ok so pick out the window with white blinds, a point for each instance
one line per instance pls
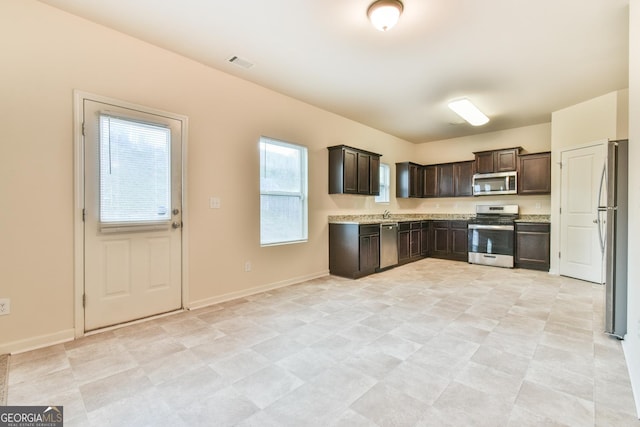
(283, 192)
(383, 196)
(135, 171)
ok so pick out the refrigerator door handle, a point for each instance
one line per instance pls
(603, 183)
(601, 208)
(600, 233)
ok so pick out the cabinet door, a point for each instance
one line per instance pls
(415, 188)
(350, 171)
(439, 239)
(506, 160)
(462, 179)
(445, 180)
(424, 238)
(535, 174)
(484, 162)
(532, 246)
(374, 174)
(369, 253)
(408, 180)
(364, 165)
(414, 251)
(430, 181)
(459, 243)
(404, 245)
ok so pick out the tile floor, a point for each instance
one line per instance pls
(432, 343)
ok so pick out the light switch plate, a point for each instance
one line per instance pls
(5, 306)
(214, 202)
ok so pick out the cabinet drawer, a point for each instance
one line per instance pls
(533, 227)
(404, 226)
(415, 225)
(440, 224)
(458, 224)
(369, 229)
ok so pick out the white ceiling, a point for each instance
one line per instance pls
(518, 60)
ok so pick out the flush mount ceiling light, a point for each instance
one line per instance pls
(465, 109)
(384, 14)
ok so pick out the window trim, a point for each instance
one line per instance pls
(385, 174)
(302, 194)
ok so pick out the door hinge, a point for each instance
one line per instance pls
(83, 214)
(82, 128)
(559, 255)
(84, 300)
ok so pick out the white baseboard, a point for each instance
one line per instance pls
(631, 350)
(252, 291)
(34, 343)
(66, 335)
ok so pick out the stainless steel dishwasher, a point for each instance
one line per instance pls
(388, 245)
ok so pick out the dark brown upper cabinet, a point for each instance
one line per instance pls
(448, 179)
(442, 180)
(462, 178)
(408, 180)
(445, 180)
(430, 181)
(353, 171)
(535, 173)
(504, 160)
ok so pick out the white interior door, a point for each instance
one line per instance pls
(580, 249)
(132, 214)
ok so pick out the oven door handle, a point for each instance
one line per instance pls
(490, 227)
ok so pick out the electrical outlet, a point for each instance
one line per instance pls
(247, 266)
(5, 306)
(214, 202)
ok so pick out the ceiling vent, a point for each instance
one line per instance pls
(240, 62)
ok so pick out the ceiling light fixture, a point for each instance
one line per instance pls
(465, 109)
(384, 14)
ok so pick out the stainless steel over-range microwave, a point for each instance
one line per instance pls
(485, 184)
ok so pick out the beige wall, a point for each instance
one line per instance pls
(597, 119)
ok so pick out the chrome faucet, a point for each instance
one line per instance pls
(386, 214)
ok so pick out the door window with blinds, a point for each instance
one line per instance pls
(283, 192)
(135, 173)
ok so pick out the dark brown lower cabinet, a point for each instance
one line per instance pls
(532, 245)
(439, 239)
(354, 249)
(459, 240)
(409, 239)
(424, 238)
(449, 240)
(404, 242)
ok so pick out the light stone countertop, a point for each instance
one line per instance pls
(534, 218)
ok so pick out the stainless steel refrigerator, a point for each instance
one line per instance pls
(612, 220)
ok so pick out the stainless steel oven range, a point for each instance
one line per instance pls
(491, 235)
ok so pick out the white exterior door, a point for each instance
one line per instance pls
(132, 214)
(580, 249)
